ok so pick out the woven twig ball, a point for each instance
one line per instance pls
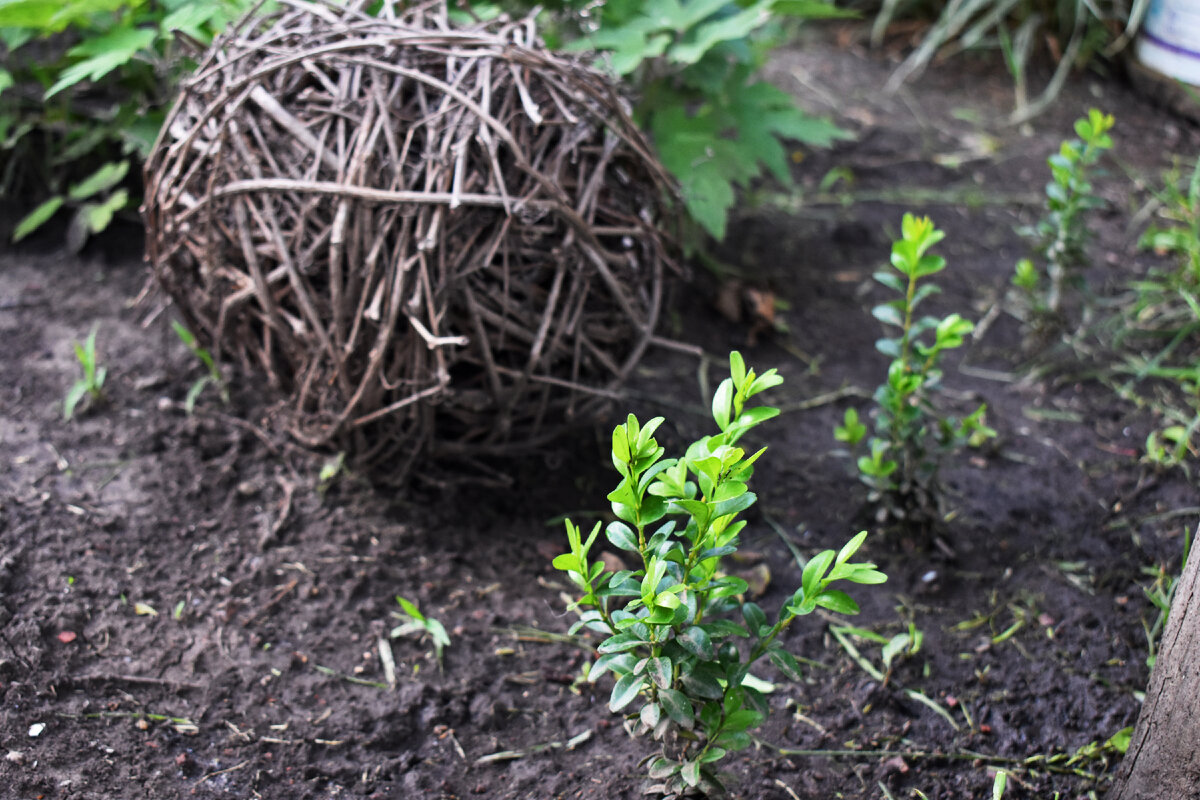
(433, 239)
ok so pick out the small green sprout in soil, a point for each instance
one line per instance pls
(1062, 233)
(91, 384)
(672, 624)
(417, 623)
(901, 460)
(1161, 593)
(999, 784)
(214, 373)
(331, 469)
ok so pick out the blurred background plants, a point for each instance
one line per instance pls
(84, 87)
(1063, 34)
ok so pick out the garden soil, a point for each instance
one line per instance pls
(188, 611)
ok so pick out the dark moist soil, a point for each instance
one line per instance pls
(184, 613)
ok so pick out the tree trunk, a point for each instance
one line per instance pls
(1163, 760)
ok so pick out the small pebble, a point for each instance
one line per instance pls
(15, 757)
(36, 729)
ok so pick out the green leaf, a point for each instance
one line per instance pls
(851, 547)
(678, 707)
(621, 536)
(620, 643)
(697, 642)
(662, 768)
(189, 402)
(103, 55)
(737, 368)
(837, 601)
(722, 403)
(567, 562)
(661, 671)
(814, 571)
(755, 618)
(813, 9)
(728, 586)
(6, 80)
(691, 773)
(624, 691)
(888, 314)
(650, 714)
(410, 608)
(191, 20)
(99, 181)
(786, 663)
(74, 395)
(725, 28)
(97, 216)
(38, 217)
(1119, 741)
(999, 784)
(741, 720)
(734, 505)
(724, 628)
(619, 663)
(620, 446)
(703, 683)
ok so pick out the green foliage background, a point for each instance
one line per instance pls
(84, 88)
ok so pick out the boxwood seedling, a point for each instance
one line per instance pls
(1062, 232)
(900, 463)
(679, 636)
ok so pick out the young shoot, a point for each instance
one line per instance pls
(678, 634)
(214, 373)
(1062, 232)
(416, 623)
(900, 462)
(91, 384)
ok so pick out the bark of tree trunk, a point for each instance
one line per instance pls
(1163, 760)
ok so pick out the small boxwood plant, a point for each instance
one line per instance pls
(679, 636)
(1061, 233)
(901, 460)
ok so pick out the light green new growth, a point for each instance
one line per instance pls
(214, 373)
(417, 623)
(672, 623)
(1063, 231)
(902, 459)
(92, 382)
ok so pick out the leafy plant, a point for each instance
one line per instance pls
(671, 626)
(1179, 207)
(1156, 333)
(214, 373)
(417, 623)
(83, 90)
(91, 384)
(902, 458)
(692, 63)
(1062, 232)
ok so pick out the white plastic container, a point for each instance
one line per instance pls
(1169, 40)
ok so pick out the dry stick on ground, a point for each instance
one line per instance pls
(436, 238)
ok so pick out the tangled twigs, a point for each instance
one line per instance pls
(438, 240)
